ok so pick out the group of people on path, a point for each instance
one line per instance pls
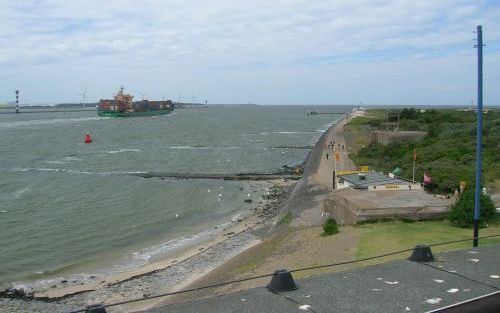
(331, 145)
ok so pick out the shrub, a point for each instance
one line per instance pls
(409, 114)
(375, 123)
(330, 227)
(462, 212)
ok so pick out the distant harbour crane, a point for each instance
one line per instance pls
(83, 94)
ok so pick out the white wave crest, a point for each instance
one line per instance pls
(123, 150)
(47, 122)
(20, 192)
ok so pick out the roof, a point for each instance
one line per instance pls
(397, 286)
(372, 179)
(390, 199)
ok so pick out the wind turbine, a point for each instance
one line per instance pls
(84, 97)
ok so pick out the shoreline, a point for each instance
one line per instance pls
(184, 269)
(165, 275)
(303, 199)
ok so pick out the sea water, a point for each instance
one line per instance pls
(68, 208)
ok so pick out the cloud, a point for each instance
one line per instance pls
(105, 43)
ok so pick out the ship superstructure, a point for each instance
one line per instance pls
(123, 106)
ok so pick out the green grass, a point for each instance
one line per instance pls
(286, 219)
(386, 237)
(255, 257)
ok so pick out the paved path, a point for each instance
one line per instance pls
(326, 166)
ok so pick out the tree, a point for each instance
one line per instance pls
(462, 212)
(409, 114)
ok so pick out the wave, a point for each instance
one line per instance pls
(20, 192)
(48, 122)
(42, 279)
(55, 162)
(205, 147)
(64, 170)
(326, 127)
(285, 132)
(64, 161)
(182, 242)
(123, 150)
(72, 158)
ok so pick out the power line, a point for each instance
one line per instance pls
(291, 271)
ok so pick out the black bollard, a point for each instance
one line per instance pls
(95, 308)
(282, 280)
(422, 253)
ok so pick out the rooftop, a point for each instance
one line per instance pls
(397, 286)
(371, 179)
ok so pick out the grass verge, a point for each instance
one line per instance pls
(386, 237)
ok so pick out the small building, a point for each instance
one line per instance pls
(375, 196)
(374, 181)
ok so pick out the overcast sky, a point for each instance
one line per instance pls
(261, 51)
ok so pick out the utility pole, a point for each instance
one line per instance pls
(17, 101)
(334, 169)
(414, 159)
(477, 205)
(387, 119)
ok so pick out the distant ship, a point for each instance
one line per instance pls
(123, 106)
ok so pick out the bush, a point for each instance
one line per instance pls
(376, 123)
(462, 212)
(409, 114)
(330, 227)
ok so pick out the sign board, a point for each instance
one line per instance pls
(364, 168)
(394, 187)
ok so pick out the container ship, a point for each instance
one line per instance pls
(124, 106)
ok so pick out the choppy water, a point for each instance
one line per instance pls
(70, 208)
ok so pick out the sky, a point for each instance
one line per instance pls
(387, 52)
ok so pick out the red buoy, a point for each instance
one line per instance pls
(88, 139)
